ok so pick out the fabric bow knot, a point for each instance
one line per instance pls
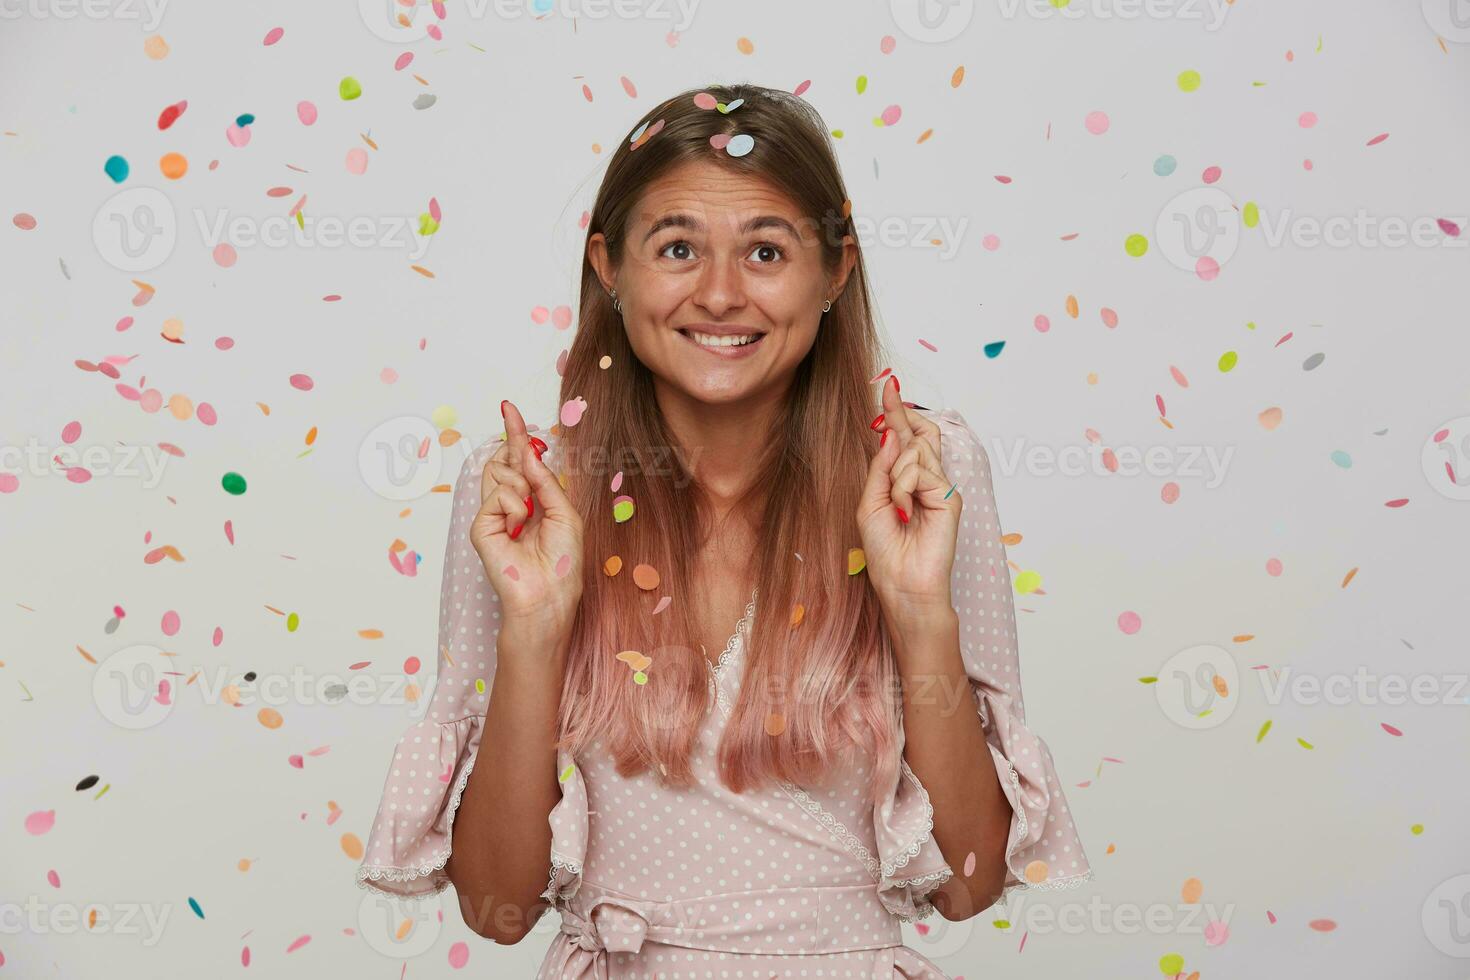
(616, 925)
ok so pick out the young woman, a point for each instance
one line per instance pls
(697, 802)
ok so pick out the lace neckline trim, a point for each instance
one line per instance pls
(740, 629)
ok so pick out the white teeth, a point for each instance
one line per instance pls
(709, 340)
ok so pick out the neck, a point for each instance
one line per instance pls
(720, 443)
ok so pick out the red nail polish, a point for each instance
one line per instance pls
(876, 422)
(884, 439)
(502, 408)
(516, 533)
(901, 515)
(530, 507)
(895, 381)
(538, 446)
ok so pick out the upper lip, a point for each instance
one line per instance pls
(721, 329)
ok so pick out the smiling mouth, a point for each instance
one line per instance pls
(714, 342)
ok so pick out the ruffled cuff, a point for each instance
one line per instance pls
(1043, 849)
(569, 826)
(910, 865)
(409, 843)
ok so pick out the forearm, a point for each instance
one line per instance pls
(945, 746)
(502, 839)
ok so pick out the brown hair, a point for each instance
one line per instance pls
(832, 677)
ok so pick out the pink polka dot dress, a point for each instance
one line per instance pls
(783, 881)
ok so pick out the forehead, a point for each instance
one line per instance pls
(719, 196)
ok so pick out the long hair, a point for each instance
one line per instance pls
(830, 680)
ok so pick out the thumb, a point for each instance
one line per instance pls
(555, 505)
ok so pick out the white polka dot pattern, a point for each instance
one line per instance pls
(654, 881)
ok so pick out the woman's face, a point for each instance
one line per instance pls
(713, 257)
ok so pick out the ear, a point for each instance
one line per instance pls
(601, 263)
(844, 268)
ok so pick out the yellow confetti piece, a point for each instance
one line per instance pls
(856, 560)
(404, 928)
(1028, 582)
(1417, 829)
(634, 659)
(1243, 638)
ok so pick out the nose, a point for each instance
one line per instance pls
(720, 287)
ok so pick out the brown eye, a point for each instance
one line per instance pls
(767, 248)
(678, 244)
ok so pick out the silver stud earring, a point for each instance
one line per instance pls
(617, 304)
(827, 306)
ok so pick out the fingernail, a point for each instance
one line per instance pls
(530, 507)
(884, 439)
(895, 381)
(876, 422)
(538, 446)
(901, 515)
(502, 408)
(516, 533)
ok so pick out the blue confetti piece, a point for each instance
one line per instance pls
(994, 348)
(195, 906)
(116, 168)
(245, 119)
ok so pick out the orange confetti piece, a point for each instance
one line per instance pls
(612, 566)
(1243, 638)
(775, 723)
(422, 271)
(370, 634)
(270, 718)
(351, 846)
(311, 436)
(89, 658)
(1349, 576)
(798, 613)
(958, 77)
(1072, 307)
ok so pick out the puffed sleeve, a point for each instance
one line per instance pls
(409, 843)
(1043, 850)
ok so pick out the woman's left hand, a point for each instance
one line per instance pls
(908, 517)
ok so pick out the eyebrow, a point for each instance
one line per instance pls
(682, 220)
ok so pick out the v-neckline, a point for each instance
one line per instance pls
(718, 667)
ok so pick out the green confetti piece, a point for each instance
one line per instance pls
(862, 84)
(292, 621)
(427, 224)
(1136, 245)
(1228, 361)
(1251, 214)
(479, 685)
(566, 773)
(349, 88)
(1002, 923)
(1264, 729)
(1304, 743)
(233, 483)
(1170, 964)
(1148, 680)
(639, 677)
(1188, 80)
(1417, 829)
(622, 510)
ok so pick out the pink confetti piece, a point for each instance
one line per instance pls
(273, 35)
(459, 955)
(9, 483)
(403, 61)
(1271, 917)
(23, 221)
(663, 603)
(53, 879)
(123, 324)
(70, 432)
(1390, 729)
(357, 161)
(302, 941)
(434, 211)
(1002, 178)
(163, 696)
(78, 474)
(237, 135)
(219, 636)
(1448, 227)
(1401, 501)
(245, 956)
(572, 411)
(1207, 268)
(720, 140)
(926, 343)
(1307, 120)
(40, 821)
(230, 531)
(969, 864)
(205, 413)
(225, 255)
(1023, 941)
(306, 112)
(1322, 925)
(1097, 122)
(990, 243)
(1211, 175)
(297, 761)
(1109, 318)
(891, 115)
(1042, 323)
(1378, 139)
(302, 382)
(1130, 622)
(170, 624)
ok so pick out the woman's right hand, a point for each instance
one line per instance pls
(528, 535)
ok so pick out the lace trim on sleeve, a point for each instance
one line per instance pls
(439, 859)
